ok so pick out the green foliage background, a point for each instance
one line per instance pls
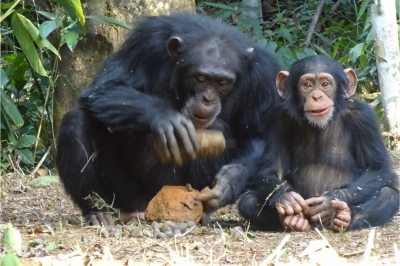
(29, 60)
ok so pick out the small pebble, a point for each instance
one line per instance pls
(164, 228)
(171, 225)
(177, 232)
(169, 234)
(182, 227)
(161, 235)
(156, 232)
(135, 232)
(190, 224)
(105, 233)
(155, 225)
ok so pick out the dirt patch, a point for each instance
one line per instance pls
(53, 234)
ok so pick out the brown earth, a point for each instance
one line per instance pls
(47, 218)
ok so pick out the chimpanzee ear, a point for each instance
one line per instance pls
(175, 46)
(280, 80)
(351, 75)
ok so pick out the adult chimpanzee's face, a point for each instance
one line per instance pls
(207, 75)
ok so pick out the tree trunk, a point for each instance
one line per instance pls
(388, 59)
(76, 70)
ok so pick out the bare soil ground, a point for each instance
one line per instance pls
(52, 234)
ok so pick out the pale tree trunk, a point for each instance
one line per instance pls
(388, 59)
(76, 70)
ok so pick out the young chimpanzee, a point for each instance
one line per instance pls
(329, 151)
(173, 75)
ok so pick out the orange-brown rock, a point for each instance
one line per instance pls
(175, 203)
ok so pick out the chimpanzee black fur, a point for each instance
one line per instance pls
(165, 65)
(345, 160)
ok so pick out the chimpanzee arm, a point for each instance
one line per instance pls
(372, 158)
(121, 107)
(231, 180)
(374, 194)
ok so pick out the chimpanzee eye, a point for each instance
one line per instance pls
(201, 78)
(325, 84)
(223, 81)
(307, 85)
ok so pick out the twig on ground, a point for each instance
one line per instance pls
(370, 245)
(276, 251)
(324, 238)
(396, 253)
(40, 162)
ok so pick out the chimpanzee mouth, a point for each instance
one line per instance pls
(319, 112)
(200, 118)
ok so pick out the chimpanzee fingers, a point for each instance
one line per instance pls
(339, 205)
(181, 129)
(321, 217)
(161, 147)
(280, 210)
(172, 144)
(206, 219)
(342, 216)
(338, 225)
(292, 203)
(207, 194)
(301, 205)
(191, 132)
(296, 223)
(287, 208)
(314, 201)
(210, 199)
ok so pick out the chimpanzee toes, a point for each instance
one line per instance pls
(99, 218)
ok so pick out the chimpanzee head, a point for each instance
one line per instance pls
(316, 89)
(205, 72)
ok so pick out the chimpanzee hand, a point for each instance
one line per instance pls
(175, 138)
(221, 193)
(290, 203)
(342, 217)
(297, 223)
(320, 209)
(212, 198)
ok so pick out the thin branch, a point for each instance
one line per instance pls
(40, 162)
(270, 194)
(314, 22)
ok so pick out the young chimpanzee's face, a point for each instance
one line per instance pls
(316, 85)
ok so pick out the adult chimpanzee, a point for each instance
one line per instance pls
(172, 75)
(329, 151)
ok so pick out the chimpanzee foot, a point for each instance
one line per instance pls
(99, 218)
(125, 217)
(296, 223)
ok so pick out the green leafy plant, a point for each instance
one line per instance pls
(12, 242)
(28, 73)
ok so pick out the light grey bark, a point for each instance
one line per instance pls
(387, 59)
